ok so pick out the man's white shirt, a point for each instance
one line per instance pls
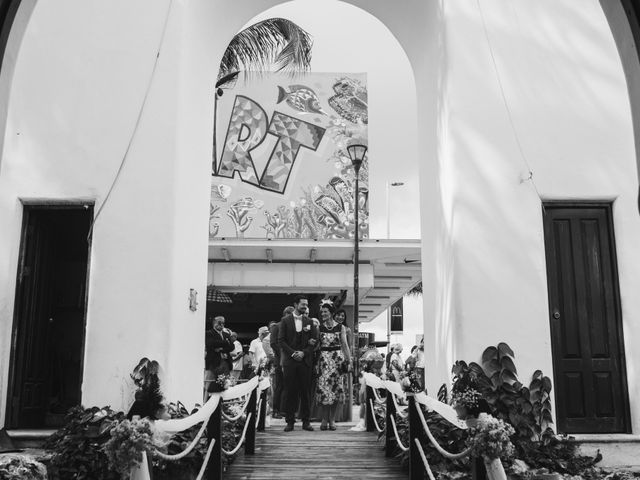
(256, 348)
(237, 348)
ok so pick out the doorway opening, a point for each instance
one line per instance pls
(245, 312)
(50, 315)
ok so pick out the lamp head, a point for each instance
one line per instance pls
(356, 154)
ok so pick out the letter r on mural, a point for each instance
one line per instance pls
(247, 130)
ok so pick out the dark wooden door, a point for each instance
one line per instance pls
(586, 331)
(48, 337)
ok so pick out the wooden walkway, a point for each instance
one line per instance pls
(327, 455)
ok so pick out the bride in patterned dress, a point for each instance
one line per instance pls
(334, 359)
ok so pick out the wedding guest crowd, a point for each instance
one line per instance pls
(309, 362)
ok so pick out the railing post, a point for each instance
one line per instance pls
(478, 470)
(369, 399)
(214, 433)
(416, 468)
(389, 435)
(263, 409)
(250, 439)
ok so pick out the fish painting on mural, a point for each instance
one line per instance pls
(300, 98)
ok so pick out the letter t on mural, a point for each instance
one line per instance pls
(247, 130)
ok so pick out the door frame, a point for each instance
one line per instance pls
(608, 206)
(27, 207)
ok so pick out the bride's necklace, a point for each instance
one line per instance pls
(330, 327)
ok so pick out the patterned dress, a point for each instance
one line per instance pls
(330, 387)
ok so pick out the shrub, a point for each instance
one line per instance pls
(527, 409)
(77, 447)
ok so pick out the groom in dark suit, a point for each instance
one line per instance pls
(297, 339)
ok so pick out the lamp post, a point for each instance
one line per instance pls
(356, 154)
(388, 199)
(390, 184)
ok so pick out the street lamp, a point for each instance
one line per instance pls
(356, 154)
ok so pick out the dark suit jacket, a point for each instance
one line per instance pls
(287, 337)
(273, 339)
(213, 341)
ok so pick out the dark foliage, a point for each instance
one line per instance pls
(77, 447)
(556, 453)
(527, 409)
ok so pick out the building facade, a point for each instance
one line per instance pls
(523, 130)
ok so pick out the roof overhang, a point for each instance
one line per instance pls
(387, 268)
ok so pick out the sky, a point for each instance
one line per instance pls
(371, 48)
(393, 155)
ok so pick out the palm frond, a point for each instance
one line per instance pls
(416, 290)
(273, 42)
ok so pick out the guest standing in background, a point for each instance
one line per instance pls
(236, 356)
(396, 365)
(217, 346)
(278, 404)
(420, 362)
(256, 349)
(343, 412)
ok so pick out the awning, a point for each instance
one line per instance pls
(388, 268)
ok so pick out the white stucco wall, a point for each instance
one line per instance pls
(81, 74)
(565, 88)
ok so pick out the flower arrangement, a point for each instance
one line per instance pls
(221, 382)
(411, 380)
(129, 439)
(264, 368)
(489, 438)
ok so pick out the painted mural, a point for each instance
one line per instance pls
(282, 169)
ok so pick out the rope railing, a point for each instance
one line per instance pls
(186, 451)
(210, 416)
(395, 431)
(258, 408)
(230, 418)
(434, 442)
(400, 412)
(205, 462)
(379, 399)
(242, 438)
(424, 460)
(418, 425)
(375, 421)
